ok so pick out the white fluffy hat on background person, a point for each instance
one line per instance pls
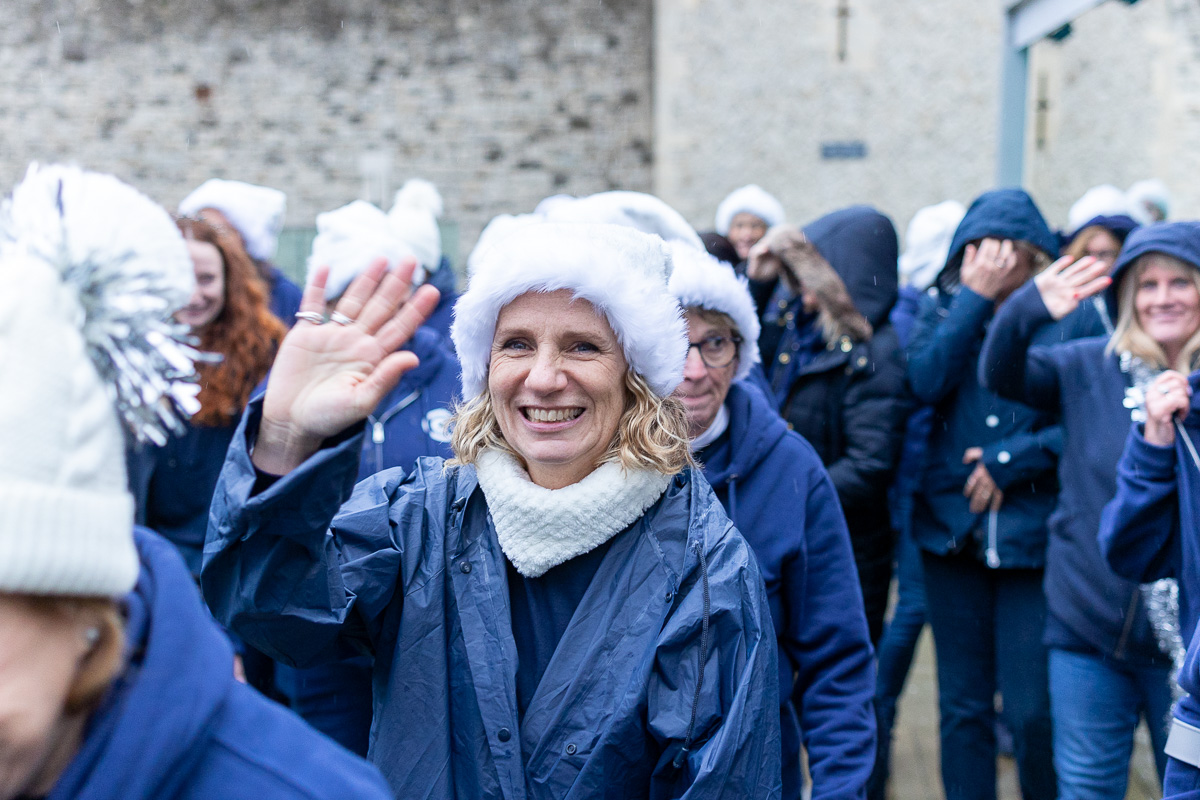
(414, 220)
(638, 210)
(256, 211)
(349, 239)
(699, 279)
(927, 243)
(621, 271)
(1146, 195)
(93, 271)
(1104, 200)
(750, 199)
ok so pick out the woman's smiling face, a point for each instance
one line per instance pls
(1167, 303)
(557, 383)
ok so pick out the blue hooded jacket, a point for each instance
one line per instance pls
(1020, 445)
(410, 570)
(1090, 606)
(445, 281)
(777, 493)
(177, 726)
(285, 296)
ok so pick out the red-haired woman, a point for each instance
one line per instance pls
(229, 315)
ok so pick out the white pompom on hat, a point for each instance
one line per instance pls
(751, 199)
(414, 216)
(621, 271)
(1104, 200)
(638, 210)
(349, 239)
(256, 211)
(86, 262)
(701, 280)
(927, 243)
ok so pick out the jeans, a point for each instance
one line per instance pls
(333, 698)
(987, 628)
(1096, 708)
(896, 650)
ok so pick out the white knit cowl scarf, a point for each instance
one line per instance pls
(541, 528)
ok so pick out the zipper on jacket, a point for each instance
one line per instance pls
(377, 431)
(993, 550)
(1119, 652)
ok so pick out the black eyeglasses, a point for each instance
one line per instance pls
(716, 351)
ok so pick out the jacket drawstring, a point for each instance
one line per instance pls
(691, 729)
(733, 500)
(1187, 441)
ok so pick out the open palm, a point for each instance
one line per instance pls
(329, 376)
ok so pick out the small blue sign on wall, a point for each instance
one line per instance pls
(843, 151)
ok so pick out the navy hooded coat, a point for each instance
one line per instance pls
(177, 726)
(409, 569)
(1091, 608)
(1020, 445)
(776, 492)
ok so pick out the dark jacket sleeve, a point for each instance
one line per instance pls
(1023, 456)
(826, 637)
(735, 713)
(1139, 528)
(1008, 364)
(941, 349)
(874, 411)
(292, 570)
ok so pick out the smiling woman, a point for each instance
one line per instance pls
(580, 614)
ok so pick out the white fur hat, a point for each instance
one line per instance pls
(497, 230)
(701, 280)
(349, 239)
(1146, 194)
(638, 210)
(256, 212)
(751, 199)
(622, 272)
(414, 216)
(1103, 200)
(92, 271)
(927, 243)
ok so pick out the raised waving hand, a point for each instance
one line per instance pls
(331, 374)
(1065, 283)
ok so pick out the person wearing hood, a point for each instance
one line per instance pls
(775, 490)
(926, 247)
(413, 219)
(563, 609)
(980, 514)
(1111, 642)
(834, 366)
(410, 422)
(255, 215)
(745, 216)
(115, 683)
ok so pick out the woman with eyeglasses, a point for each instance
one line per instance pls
(835, 368)
(777, 493)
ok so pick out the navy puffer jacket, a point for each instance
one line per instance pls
(409, 569)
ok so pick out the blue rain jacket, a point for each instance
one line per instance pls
(1090, 607)
(177, 726)
(285, 296)
(1149, 529)
(444, 280)
(409, 569)
(780, 497)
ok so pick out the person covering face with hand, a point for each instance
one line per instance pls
(565, 567)
(775, 490)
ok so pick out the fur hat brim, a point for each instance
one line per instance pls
(701, 280)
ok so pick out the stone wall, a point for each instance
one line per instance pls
(499, 103)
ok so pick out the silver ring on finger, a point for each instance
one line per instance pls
(314, 317)
(340, 318)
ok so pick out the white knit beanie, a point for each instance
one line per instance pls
(92, 271)
(643, 212)
(349, 239)
(1103, 200)
(256, 211)
(414, 216)
(701, 280)
(621, 271)
(927, 243)
(751, 199)
(1147, 194)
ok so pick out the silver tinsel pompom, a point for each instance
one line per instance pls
(130, 270)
